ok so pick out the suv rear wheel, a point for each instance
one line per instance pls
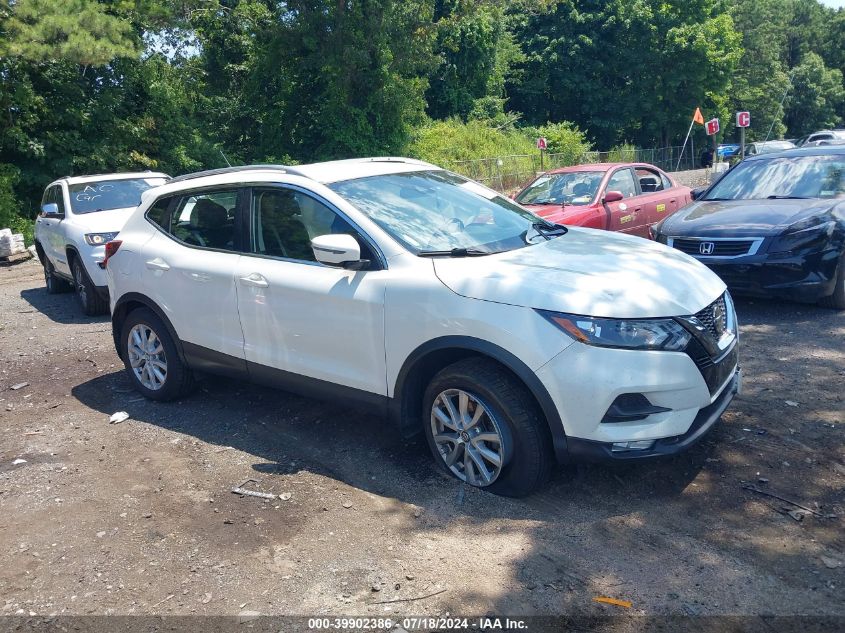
(151, 358)
(55, 284)
(89, 299)
(484, 428)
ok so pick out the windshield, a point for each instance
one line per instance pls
(437, 211)
(577, 188)
(786, 177)
(88, 197)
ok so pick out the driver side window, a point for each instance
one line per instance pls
(623, 181)
(284, 221)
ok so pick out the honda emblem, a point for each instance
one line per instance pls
(706, 248)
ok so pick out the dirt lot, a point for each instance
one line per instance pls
(138, 517)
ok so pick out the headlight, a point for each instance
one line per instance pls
(656, 334)
(809, 234)
(98, 239)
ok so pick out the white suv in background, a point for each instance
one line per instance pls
(392, 283)
(79, 215)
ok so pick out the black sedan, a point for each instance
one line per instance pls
(774, 225)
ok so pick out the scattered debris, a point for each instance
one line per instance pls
(248, 616)
(118, 417)
(619, 603)
(409, 576)
(18, 461)
(27, 434)
(430, 595)
(206, 598)
(347, 504)
(791, 403)
(285, 496)
(762, 480)
(20, 385)
(798, 515)
(240, 490)
(376, 586)
(162, 601)
(779, 498)
(831, 563)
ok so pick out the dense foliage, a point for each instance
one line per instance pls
(92, 86)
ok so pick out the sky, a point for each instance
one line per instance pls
(837, 4)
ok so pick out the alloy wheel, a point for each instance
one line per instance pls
(147, 357)
(468, 437)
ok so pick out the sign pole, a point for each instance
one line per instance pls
(691, 123)
(742, 143)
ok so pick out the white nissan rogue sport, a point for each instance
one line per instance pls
(389, 282)
(79, 214)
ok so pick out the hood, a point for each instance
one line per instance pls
(741, 217)
(107, 221)
(588, 272)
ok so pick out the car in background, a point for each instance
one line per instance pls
(767, 147)
(824, 142)
(504, 339)
(774, 225)
(79, 214)
(822, 135)
(624, 197)
(727, 150)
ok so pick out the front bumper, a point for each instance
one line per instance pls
(584, 382)
(802, 276)
(582, 450)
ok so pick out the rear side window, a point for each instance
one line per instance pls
(202, 219)
(650, 180)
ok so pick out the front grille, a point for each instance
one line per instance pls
(714, 248)
(714, 317)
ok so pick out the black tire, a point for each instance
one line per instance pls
(179, 380)
(837, 299)
(528, 458)
(91, 302)
(54, 284)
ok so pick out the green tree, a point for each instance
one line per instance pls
(817, 97)
(79, 31)
(626, 70)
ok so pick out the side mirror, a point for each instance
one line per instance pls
(51, 209)
(613, 196)
(696, 193)
(338, 249)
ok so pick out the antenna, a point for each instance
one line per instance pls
(224, 157)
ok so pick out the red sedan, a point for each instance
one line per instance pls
(627, 197)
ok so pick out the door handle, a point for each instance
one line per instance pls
(158, 264)
(254, 279)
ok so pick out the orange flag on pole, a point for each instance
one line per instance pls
(698, 117)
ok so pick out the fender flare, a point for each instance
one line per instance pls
(468, 344)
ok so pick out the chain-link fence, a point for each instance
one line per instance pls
(507, 173)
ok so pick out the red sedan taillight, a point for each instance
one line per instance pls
(111, 249)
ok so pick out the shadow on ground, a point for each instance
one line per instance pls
(61, 308)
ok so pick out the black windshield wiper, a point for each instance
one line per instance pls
(455, 252)
(548, 228)
(786, 197)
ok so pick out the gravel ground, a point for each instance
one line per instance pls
(138, 517)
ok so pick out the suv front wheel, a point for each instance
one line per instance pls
(484, 428)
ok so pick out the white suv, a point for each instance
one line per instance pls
(392, 283)
(78, 216)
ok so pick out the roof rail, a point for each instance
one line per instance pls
(233, 170)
